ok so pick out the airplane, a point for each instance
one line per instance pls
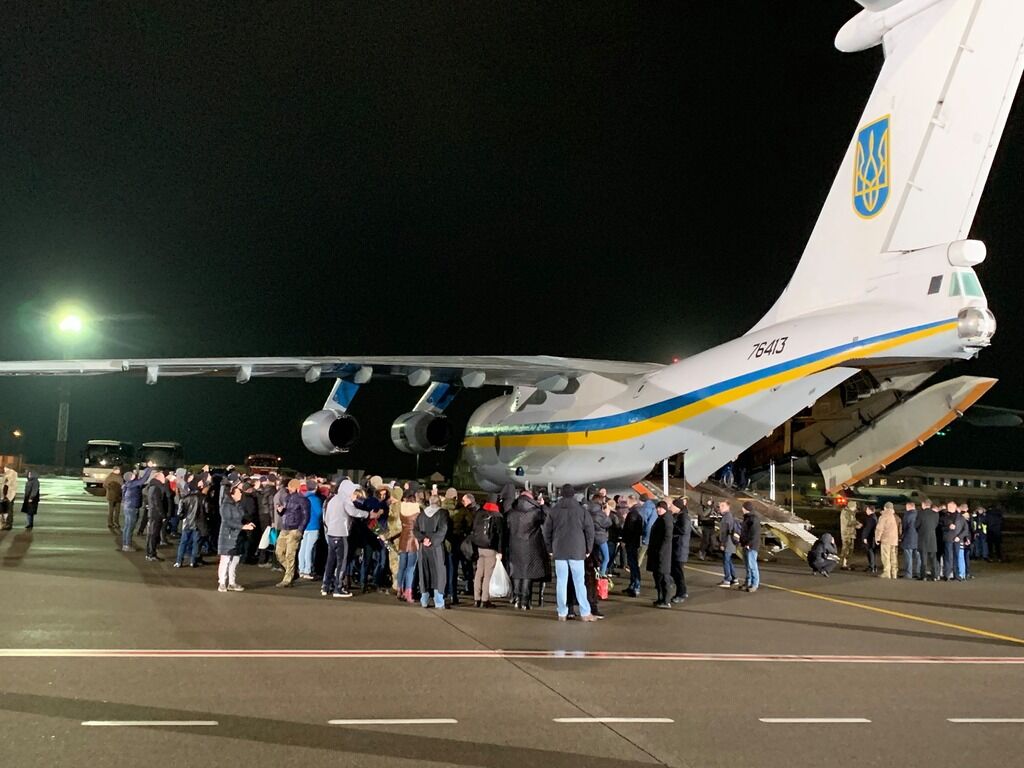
(884, 295)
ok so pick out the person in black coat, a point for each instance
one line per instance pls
(927, 543)
(867, 537)
(156, 502)
(659, 553)
(823, 557)
(994, 522)
(233, 526)
(528, 557)
(30, 499)
(632, 535)
(682, 528)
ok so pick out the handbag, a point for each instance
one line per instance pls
(467, 549)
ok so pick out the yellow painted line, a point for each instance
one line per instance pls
(884, 611)
(655, 423)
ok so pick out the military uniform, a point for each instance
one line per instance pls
(848, 526)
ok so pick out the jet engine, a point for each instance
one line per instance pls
(326, 432)
(421, 432)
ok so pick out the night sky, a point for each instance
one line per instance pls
(590, 179)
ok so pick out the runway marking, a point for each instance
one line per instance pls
(813, 720)
(576, 720)
(884, 611)
(486, 654)
(146, 723)
(412, 721)
(985, 720)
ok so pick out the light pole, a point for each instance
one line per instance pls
(69, 324)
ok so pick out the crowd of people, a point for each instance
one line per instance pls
(934, 543)
(425, 545)
(436, 548)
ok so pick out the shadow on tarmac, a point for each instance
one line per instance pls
(19, 548)
(353, 740)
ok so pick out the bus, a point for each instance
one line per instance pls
(162, 455)
(100, 457)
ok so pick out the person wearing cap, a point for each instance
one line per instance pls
(659, 553)
(682, 529)
(569, 536)
(750, 540)
(232, 527)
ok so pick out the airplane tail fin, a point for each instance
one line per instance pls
(918, 161)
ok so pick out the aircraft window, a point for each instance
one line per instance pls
(954, 285)
(971, 285)
(935, 285)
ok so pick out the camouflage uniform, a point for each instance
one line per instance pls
(848, 526)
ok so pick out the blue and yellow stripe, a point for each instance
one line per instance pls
(650, 418)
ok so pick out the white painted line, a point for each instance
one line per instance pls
(146, 723)
(813, 720)
(985, 719)
(613, 720)
(476, 653)
(409, 721)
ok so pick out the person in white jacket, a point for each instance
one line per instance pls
(8, 492)
(345, 505)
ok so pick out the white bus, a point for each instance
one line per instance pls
(101, 456)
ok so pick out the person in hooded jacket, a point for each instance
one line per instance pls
(30, 499)
(311, 533)
(430, 531)
(232, 527)
(191, 509)
(927, 542)
(823, 557)
(346, 508)
(488, 538)
(682, 530)
(528, 558)
(659, 553)
(601, 514)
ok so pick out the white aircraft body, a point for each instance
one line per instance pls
(884, 295)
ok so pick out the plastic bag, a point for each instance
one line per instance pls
(602, 588)
(265, 539)
(500, 585)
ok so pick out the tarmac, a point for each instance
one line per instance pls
(112, 661)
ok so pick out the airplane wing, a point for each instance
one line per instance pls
(468, 370)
